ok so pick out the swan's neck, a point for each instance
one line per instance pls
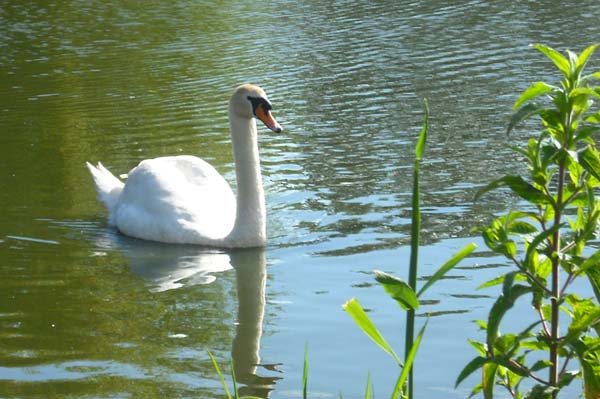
(250, 222)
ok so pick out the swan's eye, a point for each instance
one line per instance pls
(259, 101)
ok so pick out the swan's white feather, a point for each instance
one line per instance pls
(108, 187)
(180, 199)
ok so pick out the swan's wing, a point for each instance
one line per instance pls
(176, 199)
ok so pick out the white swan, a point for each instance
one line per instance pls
(184, 200)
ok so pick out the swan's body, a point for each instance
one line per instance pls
(184, 200)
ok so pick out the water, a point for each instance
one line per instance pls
(86, 312)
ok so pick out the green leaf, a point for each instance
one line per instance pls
(592, 261)
(420, 147)
(584, 56)
(500, 280)
(593, 274)
(535, 243)
(234, 379)
(398, 289)
(520, 187)
(595, 118)
(535, 90)
(557, 58)
(523, 113)
(470, 368)
(499, 309)
(488, 379)
(581, 324)
(216, 367)
(590, 160)
(368, 389)
(460, 255)
(305, 373)
(356, 311)
(409, 363)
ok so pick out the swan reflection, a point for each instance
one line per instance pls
(169, 267)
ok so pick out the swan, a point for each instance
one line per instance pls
(184, 200)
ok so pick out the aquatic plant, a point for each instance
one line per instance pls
(547, 241)
(405, 293)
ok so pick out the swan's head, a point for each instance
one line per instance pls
(250, 101)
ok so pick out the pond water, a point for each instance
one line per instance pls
(86, 312)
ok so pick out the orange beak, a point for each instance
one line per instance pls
(267, 118)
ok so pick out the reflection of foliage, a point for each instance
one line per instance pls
(100, 328)
(552, 233)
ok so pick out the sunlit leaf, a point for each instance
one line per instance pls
(356, 311)
(305, 373)
(594, 118)
(218, 371)
(488, 380)
(447, 266)
(535, 90)
(398, 289)
(520, 187)
(590, 160)
(584, 56)
(499, 309)
(523, 113)
(581, 324)
(420, 147)
(557, 58)
(470, 368)
(368, 389)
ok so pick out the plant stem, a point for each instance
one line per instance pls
(555, 300)
(412, 273)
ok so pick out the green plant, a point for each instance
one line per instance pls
(405, 294)
(547, 241)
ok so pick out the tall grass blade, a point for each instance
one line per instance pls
(218, 370)
(305, 373)
(420, 147)
(415, 232)
(234, 379)
(368, 390)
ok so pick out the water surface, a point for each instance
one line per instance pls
(86, 312)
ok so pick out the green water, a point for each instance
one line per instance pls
(86, 312)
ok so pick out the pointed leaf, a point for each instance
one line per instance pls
(447, 266)
(590, 160)
(216, 367)
(368, 390)
(578, 326)
(535, 90)
(499, 309)
(561, 62)
(584, 56)
(520, 187)
(305, 373)
(420, 147)
(524, 113)
(470, 368)
(488, 380)
(398, 289)
(356, 311)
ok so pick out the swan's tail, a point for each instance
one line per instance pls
(108, 187)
